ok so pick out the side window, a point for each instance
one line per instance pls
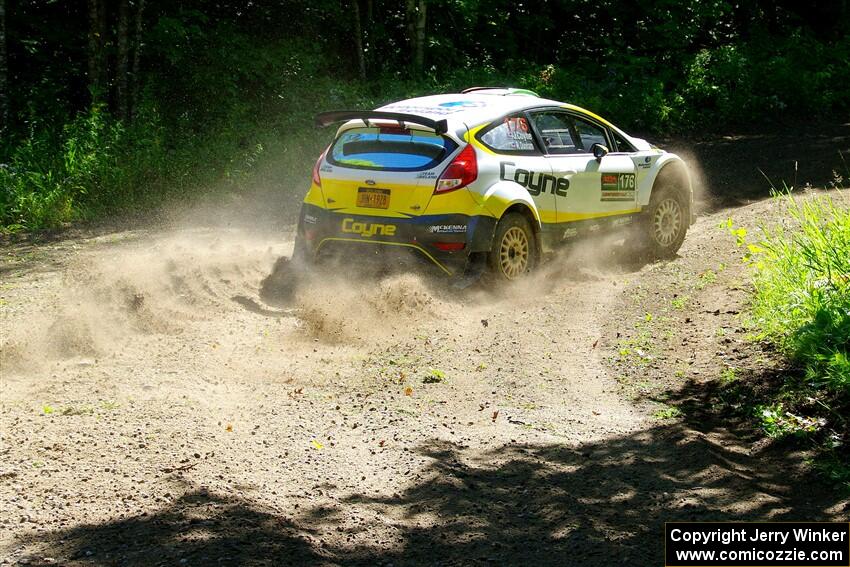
(557, 131)
(510, 136)
(589, 134)
(622, 144)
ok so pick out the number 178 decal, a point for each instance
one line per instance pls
(618, 186)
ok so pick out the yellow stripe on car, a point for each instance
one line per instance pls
(470, 138)
(402, 244)
(573, 217)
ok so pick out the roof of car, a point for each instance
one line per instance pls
(481, 105)
(471, 108)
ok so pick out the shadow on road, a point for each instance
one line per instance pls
(596, 504)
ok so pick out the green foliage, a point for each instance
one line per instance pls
(802, 298)
(728, 375)
(226, 96)
(434, 376)
(802, 305)
(48, 175)
(667, 412)
(777, 422)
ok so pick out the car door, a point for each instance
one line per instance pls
(597, 188)
(521, 160)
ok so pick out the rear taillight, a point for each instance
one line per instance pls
(461, 172)
(317, 179)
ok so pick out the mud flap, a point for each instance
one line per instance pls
(281, 285)
(475, 268)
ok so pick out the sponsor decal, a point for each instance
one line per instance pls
(462, 104)
(516, 130)
(310, 219)
(370, 182)
(570, 232)
(427, 175)
(367, 229)
(622, 221)
(618, 186)
(536, 183)
(447, 228)
(428, 110)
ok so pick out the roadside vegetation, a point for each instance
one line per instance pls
(155, 102)
(801, 304)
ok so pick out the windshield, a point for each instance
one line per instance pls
(390, 149)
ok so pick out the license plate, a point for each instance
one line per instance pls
(373, 198)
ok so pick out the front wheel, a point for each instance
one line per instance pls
(514, 251)
(665, 222)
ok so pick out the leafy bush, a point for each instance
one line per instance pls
(802, 283)
(802, 305)
(48, 176)
(222, 108)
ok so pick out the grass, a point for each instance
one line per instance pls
(802, 288)
(434, 376)
(801, 305)
(667, 412)
(706, 278)
(728, 375)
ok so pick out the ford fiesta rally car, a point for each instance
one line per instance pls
(489, 179)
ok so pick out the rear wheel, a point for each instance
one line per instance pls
(280, 286)
(514, 251)
(665, 222)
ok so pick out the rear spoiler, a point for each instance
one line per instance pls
(327, 118)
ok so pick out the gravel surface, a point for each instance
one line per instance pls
(153, 411)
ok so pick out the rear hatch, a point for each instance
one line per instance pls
(383, 171)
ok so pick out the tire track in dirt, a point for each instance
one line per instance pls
(395, 420)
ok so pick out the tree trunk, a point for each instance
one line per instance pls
(97, 31)
(358, 40)
(4, 74)
(419, 52)
(122, 94)
(409, 16)
(137, 55)
(416, 33)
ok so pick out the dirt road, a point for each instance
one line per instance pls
(155, 412)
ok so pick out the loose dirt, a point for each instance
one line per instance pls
(156, 411)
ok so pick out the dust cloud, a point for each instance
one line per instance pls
(200, 280)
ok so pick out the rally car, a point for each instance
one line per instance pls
(490, 180)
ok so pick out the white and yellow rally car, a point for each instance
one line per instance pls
(491, 178)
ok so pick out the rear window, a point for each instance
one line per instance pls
(390, 149)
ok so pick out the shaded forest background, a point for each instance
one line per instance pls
(117, 106)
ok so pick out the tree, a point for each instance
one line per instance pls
(4, 73)
(358, 40)
(137, 56)
(416, 34)
(96, 55)
(122, 66)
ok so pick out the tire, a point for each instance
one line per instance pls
(665, 221)
(280, 286)
(514, 250)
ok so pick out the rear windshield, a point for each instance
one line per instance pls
(390, 149)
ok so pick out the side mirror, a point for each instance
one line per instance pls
(599, 151)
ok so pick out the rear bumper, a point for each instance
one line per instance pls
(444, 242)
